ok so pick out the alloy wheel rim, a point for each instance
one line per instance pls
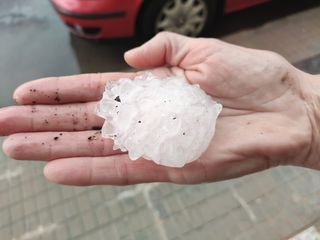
(187, 17)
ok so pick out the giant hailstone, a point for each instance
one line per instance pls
(165, 120)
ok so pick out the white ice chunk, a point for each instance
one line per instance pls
(165, 120)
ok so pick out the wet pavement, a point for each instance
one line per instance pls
(275, 204)
(35, 44)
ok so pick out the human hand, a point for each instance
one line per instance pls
(268, 117)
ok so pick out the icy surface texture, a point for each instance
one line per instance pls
(165, 120)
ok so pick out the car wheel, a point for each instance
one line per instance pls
(187, 17)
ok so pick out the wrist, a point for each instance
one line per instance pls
(310, 86)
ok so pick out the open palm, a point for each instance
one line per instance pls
(264, 122)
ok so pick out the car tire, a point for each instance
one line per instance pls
(195, 17)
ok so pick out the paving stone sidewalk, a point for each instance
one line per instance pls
(270, 205)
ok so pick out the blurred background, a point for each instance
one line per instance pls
(280, 203)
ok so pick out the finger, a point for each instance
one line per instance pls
(53, 145)
(118, 170)
(69, 117)
(164, 48)
(69, 89)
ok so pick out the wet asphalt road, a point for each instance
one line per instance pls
(35, 44)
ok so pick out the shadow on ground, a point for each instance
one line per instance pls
(101, 55)
(261, 14)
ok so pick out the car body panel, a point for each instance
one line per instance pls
(98, 6)
(115, 18)
(237, 5)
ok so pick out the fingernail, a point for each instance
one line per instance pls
(53, 172)
(131, 51)
(15, 96)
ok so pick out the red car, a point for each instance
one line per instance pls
(125, 18)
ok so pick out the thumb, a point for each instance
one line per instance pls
(164, 49)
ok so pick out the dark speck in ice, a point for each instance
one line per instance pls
(117, 99)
